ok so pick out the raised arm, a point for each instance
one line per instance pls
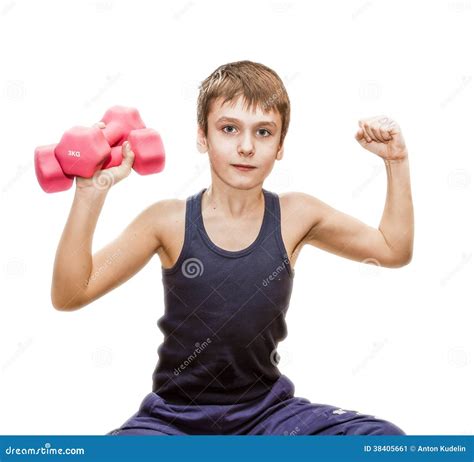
(391, 245)
(78, 277)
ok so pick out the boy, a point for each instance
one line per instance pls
(227, 256)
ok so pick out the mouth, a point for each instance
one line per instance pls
(243, 167)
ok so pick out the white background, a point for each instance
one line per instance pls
(395, 343)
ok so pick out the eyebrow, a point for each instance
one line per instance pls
(261, 122)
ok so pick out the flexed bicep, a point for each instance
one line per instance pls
(344, 235)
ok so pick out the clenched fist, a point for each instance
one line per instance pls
(382, 136)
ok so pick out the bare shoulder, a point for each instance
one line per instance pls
(300, 211)
(166, 217)
(299, 214)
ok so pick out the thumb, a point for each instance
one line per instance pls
(128, 154)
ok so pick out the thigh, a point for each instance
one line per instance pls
(298, 416)
(146, 421)
(136, 431)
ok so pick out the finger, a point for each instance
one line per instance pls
(376, 131)
(366, 135)
(359, 136)
(382, 128)
(384, 133)
(370, 132)
(128, 154)
(386, 127)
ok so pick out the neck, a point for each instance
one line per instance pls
(232, 202)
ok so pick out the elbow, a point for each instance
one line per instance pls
(63, 298)
(401, 260)
(56, 302)
(60, 304)
(407, 257)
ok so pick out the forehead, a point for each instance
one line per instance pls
(238, 109)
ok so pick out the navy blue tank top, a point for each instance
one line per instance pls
(224, 314)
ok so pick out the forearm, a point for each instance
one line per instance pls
(397, 224)
(73, 262)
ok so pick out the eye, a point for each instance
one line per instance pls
(228, 126)
(265, 132)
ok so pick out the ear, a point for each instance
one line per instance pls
(201, 141)
(280, 152)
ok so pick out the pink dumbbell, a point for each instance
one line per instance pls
(84, 150)
(49, 173)
(149, 152)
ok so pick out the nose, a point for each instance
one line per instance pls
(246, 147)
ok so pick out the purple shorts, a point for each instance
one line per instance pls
(277, 413)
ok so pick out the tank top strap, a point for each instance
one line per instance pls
(273, 225)
(272, 219)
(193, 210)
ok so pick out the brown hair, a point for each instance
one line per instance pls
(258, 84)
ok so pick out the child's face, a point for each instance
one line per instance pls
(237, 135)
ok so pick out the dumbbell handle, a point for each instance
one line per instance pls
(149, 151)
(112, 133)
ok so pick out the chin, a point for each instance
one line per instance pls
(246, 185)
(240, 183)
